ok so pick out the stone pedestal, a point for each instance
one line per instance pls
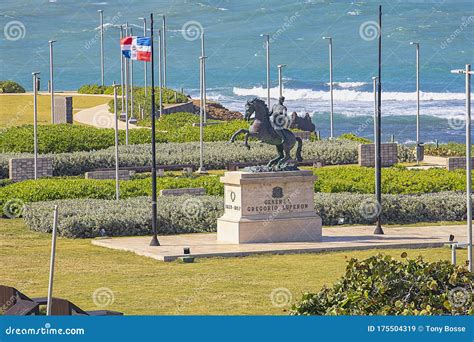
(269, 207)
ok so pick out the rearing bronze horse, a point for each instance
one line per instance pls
(262, 129)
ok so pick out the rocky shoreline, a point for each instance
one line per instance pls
(217, 111)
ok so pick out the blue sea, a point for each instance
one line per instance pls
(236, 54)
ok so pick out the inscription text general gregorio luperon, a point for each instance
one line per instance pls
(282, 204)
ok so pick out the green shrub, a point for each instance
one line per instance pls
(382, 285)
(353, 137)
(67, 188)
(334, 209)
(11, 87)
(395, 180)
(216, 155)
(67, 138)
(92, 218)
(451, 149)
(170, 96)
(94, 89)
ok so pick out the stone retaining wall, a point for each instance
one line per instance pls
(389, 152)
(123, 174)
(183, 191)
(21, 169)
(455, 163)
(187, 107)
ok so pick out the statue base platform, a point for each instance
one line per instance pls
(269, 207)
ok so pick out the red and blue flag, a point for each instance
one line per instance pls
(136, 48)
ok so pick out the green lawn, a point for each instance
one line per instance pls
(145, 286)
(16, 110)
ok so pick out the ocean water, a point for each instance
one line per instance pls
(236, 54)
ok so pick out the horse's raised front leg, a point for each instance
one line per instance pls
(277, 159)
(240, 131)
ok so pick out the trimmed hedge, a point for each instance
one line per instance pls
(382, 285)
(11, 87)
(330, 180)
(216, 155)
(85, 217)
(92, 218)
(177, 127)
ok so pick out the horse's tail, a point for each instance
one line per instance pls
(299, 148)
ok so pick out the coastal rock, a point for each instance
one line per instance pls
(217, 111)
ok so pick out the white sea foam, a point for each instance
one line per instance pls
(349, 84)
(346, 95)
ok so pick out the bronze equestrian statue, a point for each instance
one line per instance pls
(271, 132)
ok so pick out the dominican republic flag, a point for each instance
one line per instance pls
(136, 48)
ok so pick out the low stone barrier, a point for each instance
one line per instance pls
(187, 107)
(389, 153)
(183, 191)
(455, 163)
(123, 174)
(21, 169)
(63, 109)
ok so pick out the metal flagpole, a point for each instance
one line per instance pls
(202, 113)
(331, 88)
(160, 70)
(122, 78)
(52, 260)
(35, 121)
(378, 136)
(117, 185)
(203, 79)
(280, 79)
(164, 50)
(417, 98)
(145, 65)
(154, 240)
(468, 73)
(374, 79)
(267, 40)
(51, 78)
(127, 80)
(131, 83)
(101, 14)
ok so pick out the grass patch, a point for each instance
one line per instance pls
(17, 110)
(148, 287)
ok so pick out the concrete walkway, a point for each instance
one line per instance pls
(334, 239)
(100, 117)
